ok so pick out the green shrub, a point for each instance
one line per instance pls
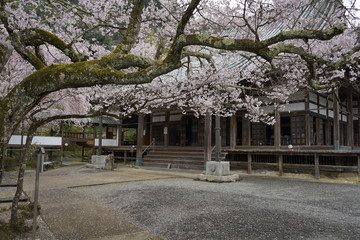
(11, 163)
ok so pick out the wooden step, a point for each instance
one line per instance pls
(8, 185)
(176, 166)
(173, 161)
(177, 158)
(9, 200)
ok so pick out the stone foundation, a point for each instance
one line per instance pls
(218, 172)
(219, 179)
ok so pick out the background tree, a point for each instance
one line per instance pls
(47, 39)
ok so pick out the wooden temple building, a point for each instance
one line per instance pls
(312, 132)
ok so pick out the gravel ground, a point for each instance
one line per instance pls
(254, 208)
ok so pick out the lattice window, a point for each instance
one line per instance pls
(258, 134)
(298, 135)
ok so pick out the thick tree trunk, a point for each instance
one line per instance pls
(25, 155)
(2, 160)
(4, 139)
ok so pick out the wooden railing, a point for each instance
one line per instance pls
(152, 144)
(78, 135)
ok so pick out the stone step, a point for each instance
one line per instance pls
(171, 165)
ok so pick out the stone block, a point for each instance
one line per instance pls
(221, 168)
(102, 162)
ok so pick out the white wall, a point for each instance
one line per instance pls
(15, 140)
(107, 142)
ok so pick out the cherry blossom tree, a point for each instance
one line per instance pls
(56, 45)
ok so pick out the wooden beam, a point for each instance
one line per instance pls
(207, 137)
(280, 164)
(317, 166)
(249, 168)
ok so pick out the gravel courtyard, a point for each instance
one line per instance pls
(254, 208)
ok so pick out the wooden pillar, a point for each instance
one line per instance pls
(350, 122)
(249, 167)
(277, 130)
(120, 134)
(307, 120)
(166, 129)
(233, 131)
(246, 132)
(336, 124)
(317, 128)
(207, 137)
(358, 116)
(307, 129)
(100, 152)
(327, 126)
(317, 166)
(217, 139)
(328, 131)
(62, 142)
(82, 147)
(94, 147)
(280, 164)
(358, 163)
(139, 139)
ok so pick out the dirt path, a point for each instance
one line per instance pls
(71, 215)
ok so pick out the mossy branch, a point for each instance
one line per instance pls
(258, 47)
(133, 29)
(36, 36)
